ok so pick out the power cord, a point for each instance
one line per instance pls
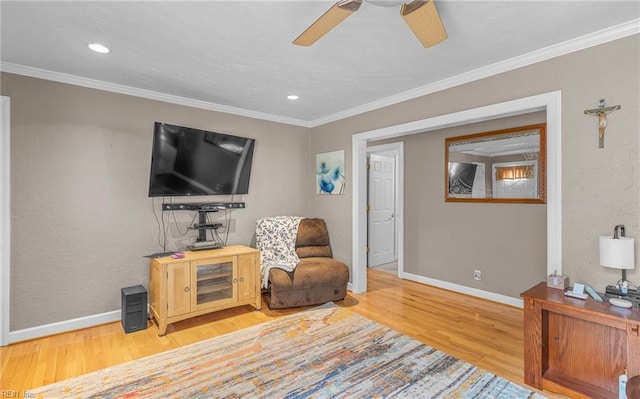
(162, 233)
(227, 225)
(214, 234)
(177, 242)
(173, 214)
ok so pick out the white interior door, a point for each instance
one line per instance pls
(382, 226)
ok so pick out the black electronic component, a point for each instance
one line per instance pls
(206, 226)
(207, 207)
(134, 308)
(614, 290)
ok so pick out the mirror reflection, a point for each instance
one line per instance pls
(499, 166)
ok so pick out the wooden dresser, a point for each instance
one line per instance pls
(578, 347)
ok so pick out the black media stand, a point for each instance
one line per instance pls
(203, 225)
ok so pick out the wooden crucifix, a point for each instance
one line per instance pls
(601, 112)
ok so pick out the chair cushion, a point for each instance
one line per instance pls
(313, 239)
(311, 272)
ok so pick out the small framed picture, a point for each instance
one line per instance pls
(330, 175)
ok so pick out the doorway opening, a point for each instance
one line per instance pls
(384, 198)
(551, 103)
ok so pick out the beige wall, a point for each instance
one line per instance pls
(81, 220)
(601, 187)
(447, 241)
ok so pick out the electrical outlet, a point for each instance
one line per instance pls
(477, 274)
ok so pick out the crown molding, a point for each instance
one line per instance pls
(580, 43)
(148, 94)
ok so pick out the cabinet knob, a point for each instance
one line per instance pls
(241, 279)
(235, 280)
(186, 289)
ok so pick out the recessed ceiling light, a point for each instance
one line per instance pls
(292, 97)
(99, 48)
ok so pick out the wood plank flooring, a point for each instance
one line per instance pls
(480, 332)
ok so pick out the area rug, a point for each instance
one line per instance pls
(325, 352)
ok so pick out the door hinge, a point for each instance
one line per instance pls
(368, 249)
(368, 208)
(368, 166)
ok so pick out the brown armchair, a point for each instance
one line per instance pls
(317, 279)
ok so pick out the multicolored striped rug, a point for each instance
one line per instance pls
(325, 352)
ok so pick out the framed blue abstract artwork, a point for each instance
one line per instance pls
(330, 176)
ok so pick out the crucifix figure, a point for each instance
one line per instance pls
(601, 112)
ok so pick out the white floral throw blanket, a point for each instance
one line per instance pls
(276, 240)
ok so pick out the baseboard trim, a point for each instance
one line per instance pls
(491, 296)
(63, 326)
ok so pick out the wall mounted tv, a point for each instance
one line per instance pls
(188, 161)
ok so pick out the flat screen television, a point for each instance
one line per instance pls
(188, 161)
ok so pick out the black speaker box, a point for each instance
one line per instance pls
(134, 308)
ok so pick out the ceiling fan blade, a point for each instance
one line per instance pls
(423, 19)
(329, 20)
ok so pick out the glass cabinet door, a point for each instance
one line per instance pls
(214, 282)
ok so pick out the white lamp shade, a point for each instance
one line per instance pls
(617, 252)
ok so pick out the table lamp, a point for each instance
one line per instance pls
(618, 252)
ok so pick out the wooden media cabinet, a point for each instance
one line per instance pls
(203, 282)
(578, 347)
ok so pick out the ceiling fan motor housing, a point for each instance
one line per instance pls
(421, 16)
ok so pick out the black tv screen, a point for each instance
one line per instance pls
(188, 161)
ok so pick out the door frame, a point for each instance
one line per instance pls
(397, 151)
(5, 219)
(550, 102)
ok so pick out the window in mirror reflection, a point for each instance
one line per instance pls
(500, 166)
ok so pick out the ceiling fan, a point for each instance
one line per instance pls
(421, 16)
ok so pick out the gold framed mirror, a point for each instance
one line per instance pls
(503, 166)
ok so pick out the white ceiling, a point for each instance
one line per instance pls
(237, 56)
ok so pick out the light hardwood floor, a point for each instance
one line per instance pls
(480, 332)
